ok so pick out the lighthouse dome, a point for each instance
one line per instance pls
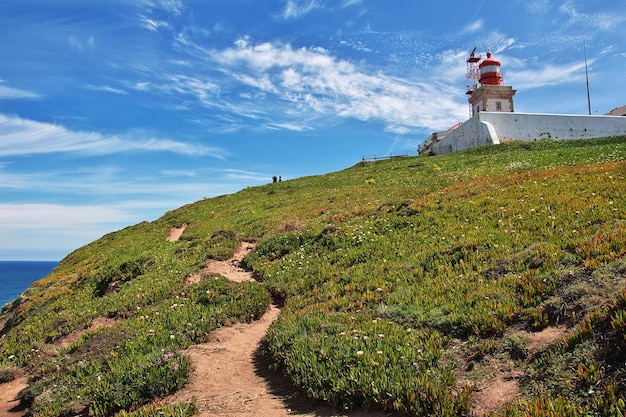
(490, 71)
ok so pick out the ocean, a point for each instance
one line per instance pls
(16, 276)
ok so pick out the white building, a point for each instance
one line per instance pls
(493, 118)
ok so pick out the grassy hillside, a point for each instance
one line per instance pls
(407, 284)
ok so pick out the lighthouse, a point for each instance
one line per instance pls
(493, 120)
(491, 95)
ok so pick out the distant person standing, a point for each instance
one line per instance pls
(274, 178)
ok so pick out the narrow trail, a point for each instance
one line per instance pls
(9, 404)
(229, 375)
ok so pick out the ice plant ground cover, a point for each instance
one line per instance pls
(405, 284)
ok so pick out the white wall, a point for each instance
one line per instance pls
(487, 128)
(473, 132)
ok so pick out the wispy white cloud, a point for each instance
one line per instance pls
(482, 3)
(601, 20)
(237, 174)
(188, 173)
(142, 86)
(295, 127)
(357, 46)
(105, 88)
(298, 8)
(79, 43)
(46, 216)
(23, 137)
(537, 7)
(503, 44)
(195, 86)
(153, 25)
(157, 189)
(547, 74)
(174, 7)
(16, 93)
(474, 26)
(218, 175)
(313, 80)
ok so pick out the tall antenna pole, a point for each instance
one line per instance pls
(587, 78)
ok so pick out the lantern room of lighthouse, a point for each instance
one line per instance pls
(490, 95)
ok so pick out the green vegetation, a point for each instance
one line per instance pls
(406, 284)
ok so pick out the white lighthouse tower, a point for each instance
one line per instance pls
(491, 95)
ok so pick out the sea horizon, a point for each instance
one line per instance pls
(17, 276)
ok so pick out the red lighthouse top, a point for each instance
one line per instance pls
(490, 71)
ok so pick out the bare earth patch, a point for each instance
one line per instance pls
(500, 389)
(176, 232)
(231, 269)
(73, 337)
(9, 404)
(549, 335)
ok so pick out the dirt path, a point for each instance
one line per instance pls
(502, 386)
(176, 232)
(9, 404)
(231, 269)
(230, 377)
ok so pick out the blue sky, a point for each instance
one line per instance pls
(113, 112)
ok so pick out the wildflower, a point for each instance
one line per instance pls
(379, 352)
(380, 335)
(175, 368)
(359, 353)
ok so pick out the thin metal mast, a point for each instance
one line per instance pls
(587, 78)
